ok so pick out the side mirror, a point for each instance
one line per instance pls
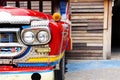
(56, 16)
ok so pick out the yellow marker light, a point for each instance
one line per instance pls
(56, 16)
(43, 50)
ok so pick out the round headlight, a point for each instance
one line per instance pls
(28, 37)
(43, 36)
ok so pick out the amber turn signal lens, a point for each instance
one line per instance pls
(56, 16)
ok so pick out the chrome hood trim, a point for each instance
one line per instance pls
(8, 18)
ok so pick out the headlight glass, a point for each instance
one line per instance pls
(43, 36)
(28, 37)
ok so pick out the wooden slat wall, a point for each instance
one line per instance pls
(87, 29)
(34, 5)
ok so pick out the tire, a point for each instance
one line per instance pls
(60, 74)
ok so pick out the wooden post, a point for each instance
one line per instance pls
(52, 6)
(41, 6)
(17, 4)
(107, 29)
(29, 4)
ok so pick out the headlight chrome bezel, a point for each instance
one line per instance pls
(46, 35)
(36, 32)
(28, 34)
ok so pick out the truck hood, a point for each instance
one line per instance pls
(15, 15)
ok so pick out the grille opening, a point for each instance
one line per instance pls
(8, 37)
(7, 50)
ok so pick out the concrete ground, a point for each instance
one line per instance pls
(93, 70)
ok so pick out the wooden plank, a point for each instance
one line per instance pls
(79, 32)
(106, 14)
(94, 44)
(95, 31)
(88, 34)
(47, 8)
(87, 41)
(85, 58)
(35, 3)
(87, 38)
(83, 55)
(107, 29)
(87, 10)
(78, 28)
(88, 7)
(87, 51)
(88, 48)
(87, 17)
(95, 28)
(88, 14)
(79, 24)
(87, 20)
(45, 11)
(95, 25)
(88, 4)
(79, 44)
(86, 0)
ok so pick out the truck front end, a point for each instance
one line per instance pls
(32, 44)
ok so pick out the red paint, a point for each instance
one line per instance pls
(23, 69)
(58, 42)
(22, 12)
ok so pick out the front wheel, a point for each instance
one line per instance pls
(60, 74)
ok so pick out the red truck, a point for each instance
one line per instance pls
(32, 44)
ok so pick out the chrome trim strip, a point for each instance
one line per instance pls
(42, 23)
(11, 45)
(10, 55)
(9, 29)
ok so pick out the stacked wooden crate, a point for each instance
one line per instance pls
(87, 29)
(34, 5)
(47, 7)
(11, 3)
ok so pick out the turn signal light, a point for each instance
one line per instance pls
(56, 16)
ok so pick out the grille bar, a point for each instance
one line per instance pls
(9, 29)
(11, 45)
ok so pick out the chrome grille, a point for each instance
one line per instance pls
(10, 43)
